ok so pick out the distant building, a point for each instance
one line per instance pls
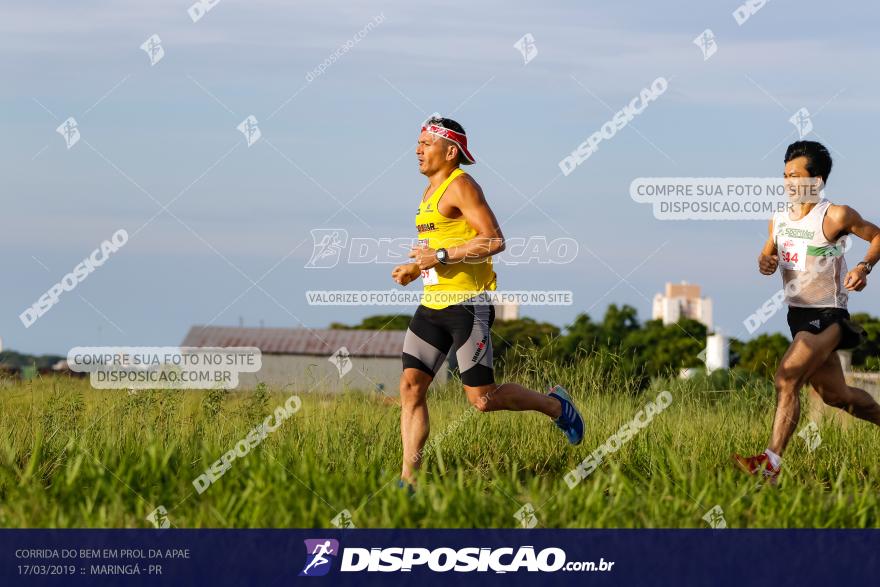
(682, 300)
(507, 311)
(62, 367)
(301, 359)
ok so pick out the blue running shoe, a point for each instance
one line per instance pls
(570, 421)
(410, 489)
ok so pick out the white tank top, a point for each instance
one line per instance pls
(813, 268)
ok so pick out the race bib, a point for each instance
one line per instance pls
(429, 276)
(793, 253)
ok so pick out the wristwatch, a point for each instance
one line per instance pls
(443, 256)
(867, 265)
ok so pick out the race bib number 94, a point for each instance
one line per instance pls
(793, 253)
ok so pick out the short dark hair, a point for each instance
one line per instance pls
(452, 125)
(818, 158)
(446, 123)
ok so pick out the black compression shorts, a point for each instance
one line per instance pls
(465, 327)
(815, 320)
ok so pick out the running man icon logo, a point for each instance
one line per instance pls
(319, 555)
(327, 247)
(706, 42)
(526, 46)
(249, 127)
(69, 129)
(341, 359)
(343, 520)
(810, 435)
(702, 356)
(526, 516)
(153, 48)
(802, 122)
(159, 517)
(715, 518)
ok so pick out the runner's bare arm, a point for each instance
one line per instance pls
(845, 220)
(768, 261)
(405, 274)
(466, 197)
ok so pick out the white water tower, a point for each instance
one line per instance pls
(717, 352)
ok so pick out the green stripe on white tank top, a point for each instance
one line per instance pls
(812, 267)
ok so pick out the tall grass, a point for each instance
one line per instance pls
(71, 456)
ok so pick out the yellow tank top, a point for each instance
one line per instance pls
(446, 285)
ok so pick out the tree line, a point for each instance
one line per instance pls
(648, 348)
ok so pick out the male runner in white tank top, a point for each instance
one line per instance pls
(807, 243)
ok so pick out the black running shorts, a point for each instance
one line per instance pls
(465, 327)
(815, 320)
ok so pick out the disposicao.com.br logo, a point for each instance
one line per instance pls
(441, 560)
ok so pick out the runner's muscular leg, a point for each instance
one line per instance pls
(474, 353)
(829, 382)
(511, 396)
(806, 354)
(424, 349)
(414, 423)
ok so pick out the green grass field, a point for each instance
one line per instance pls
(71, 456)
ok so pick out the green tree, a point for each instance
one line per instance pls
(657, 349)
(761, 355)
(524, 332)
(867, 355)
(584, 336)
(380, 322)
(619, 323)
(642, 350)
(21, 360)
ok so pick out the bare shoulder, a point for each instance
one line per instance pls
(465, 188)
(842, 217)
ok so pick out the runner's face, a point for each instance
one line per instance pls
(801, 187)
(433, 153)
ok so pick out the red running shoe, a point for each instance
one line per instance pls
(758, 465)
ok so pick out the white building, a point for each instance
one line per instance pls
(682, 300)
(507, 311)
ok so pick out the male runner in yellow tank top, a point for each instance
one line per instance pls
(458, 234)
(806, 244)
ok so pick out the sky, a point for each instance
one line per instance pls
(220, 232)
